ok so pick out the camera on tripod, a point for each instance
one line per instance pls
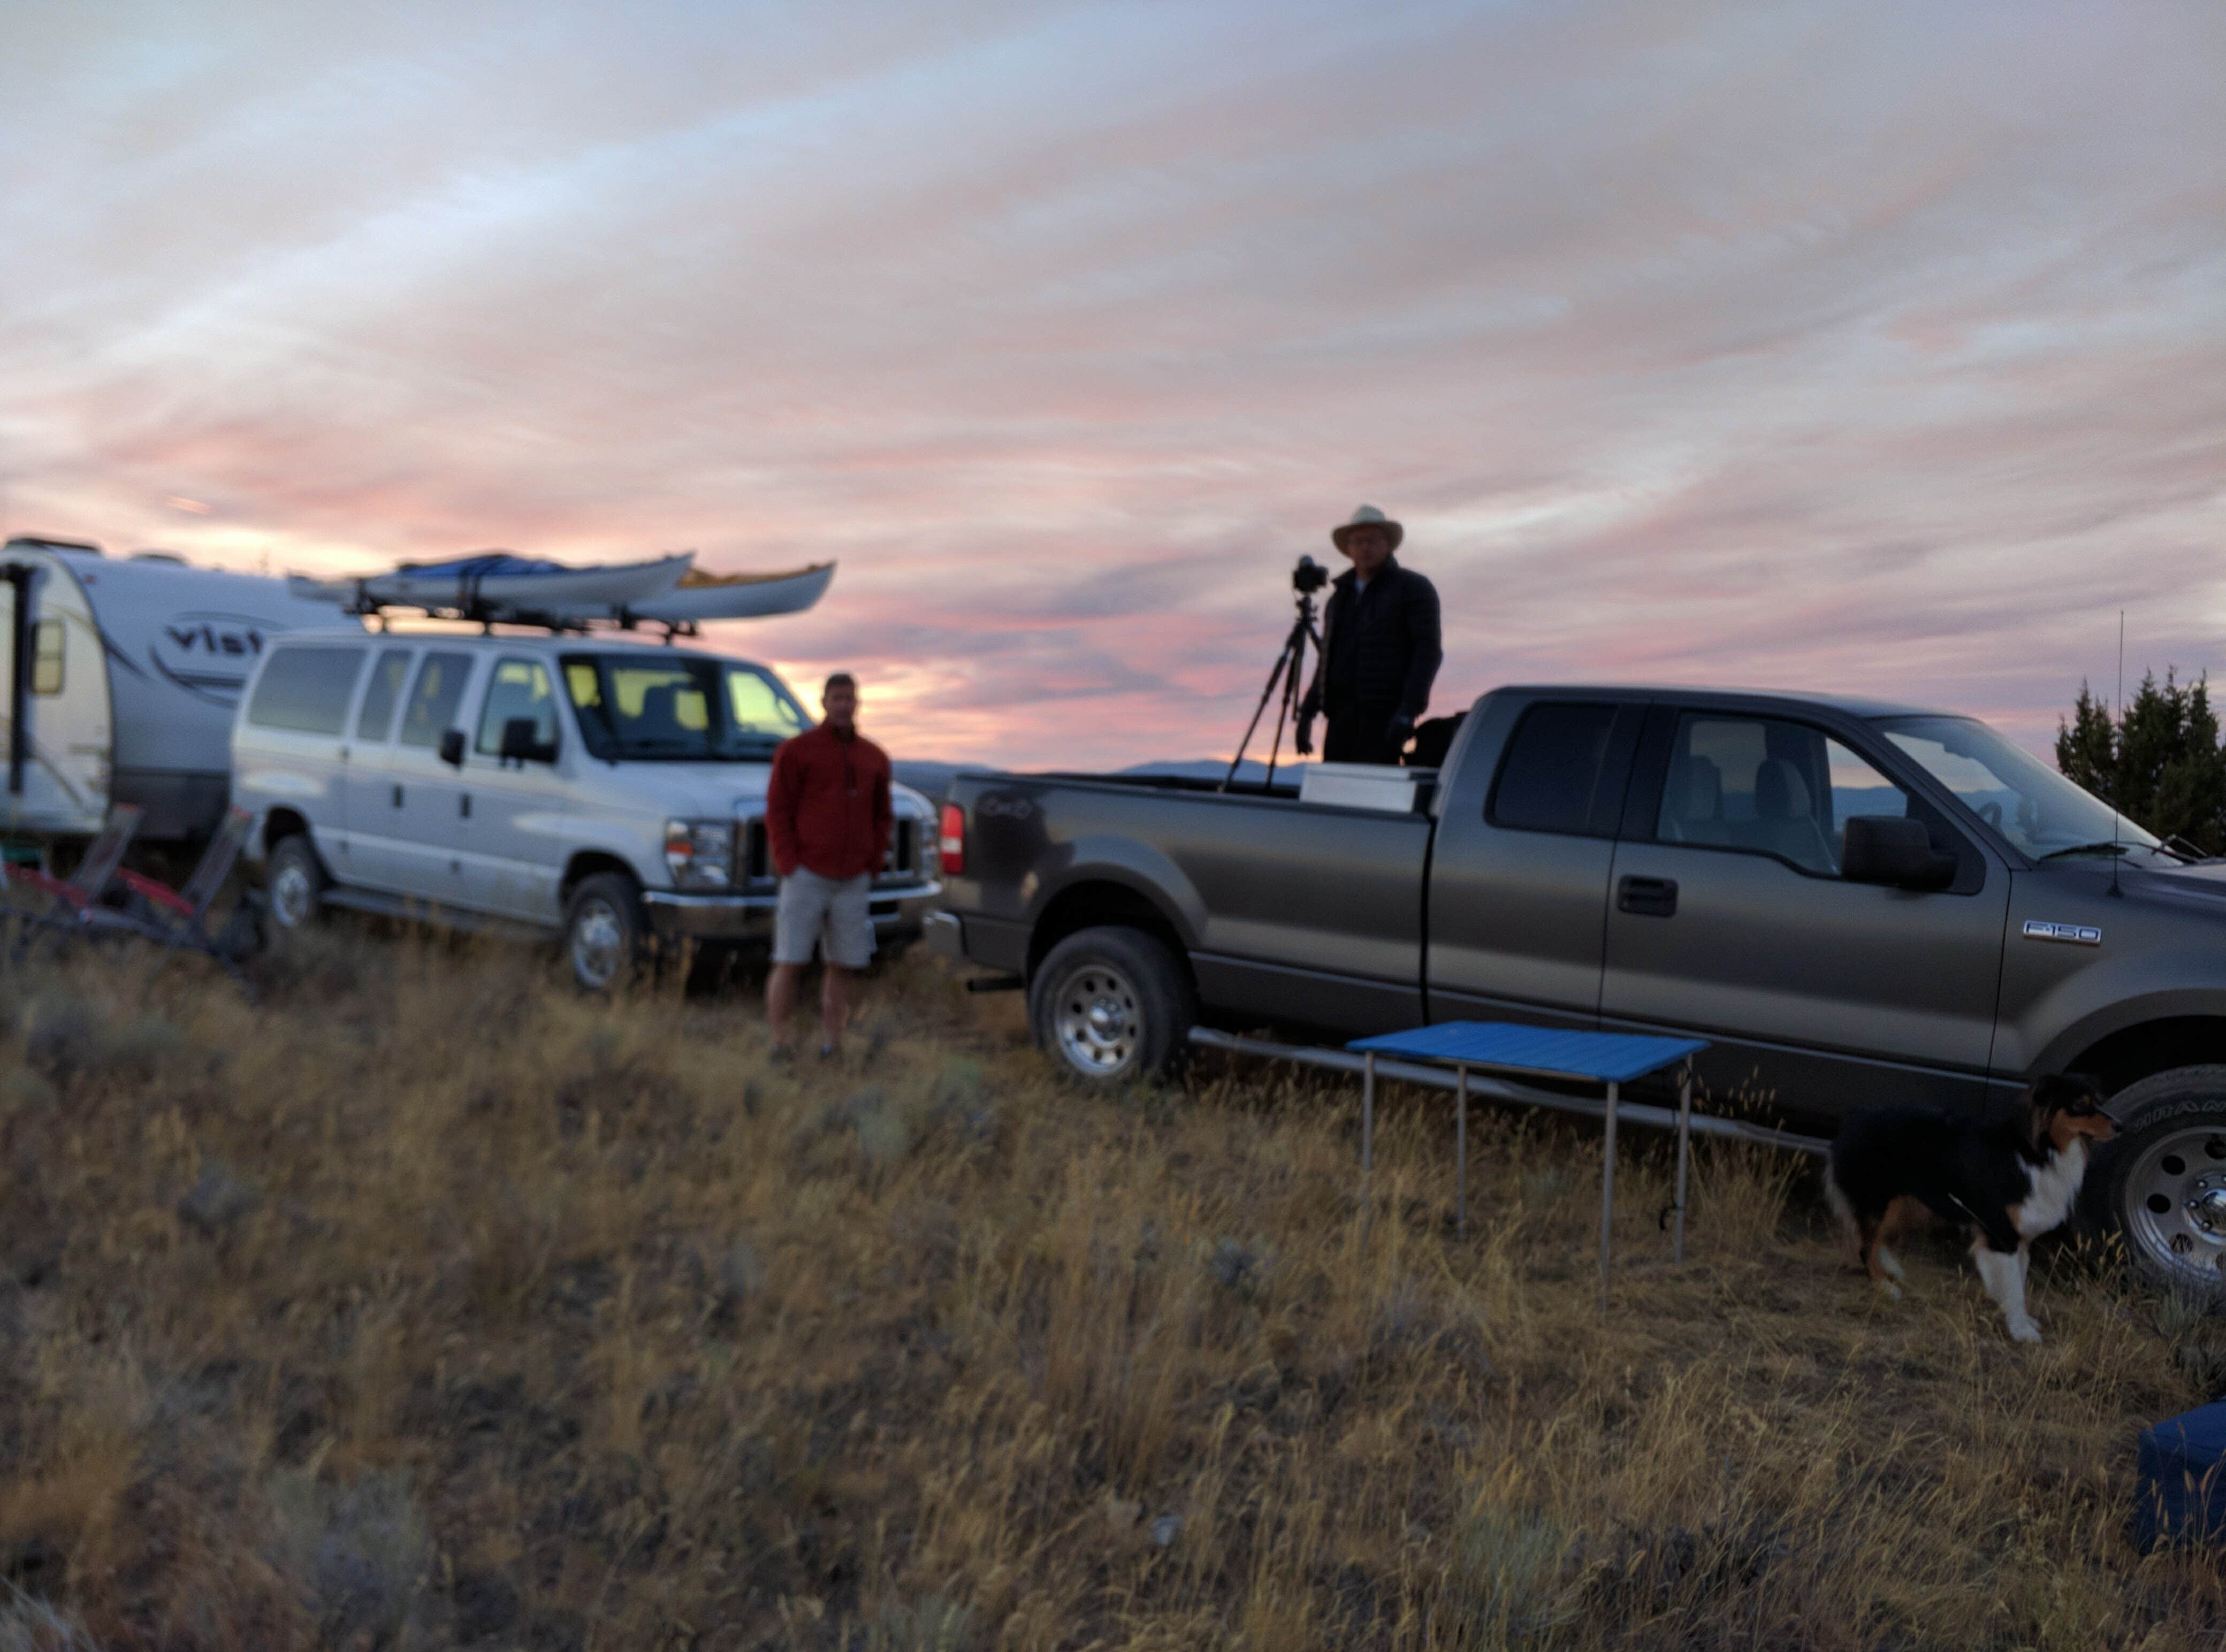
(1284, 683)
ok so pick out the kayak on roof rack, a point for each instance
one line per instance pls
(497, 582)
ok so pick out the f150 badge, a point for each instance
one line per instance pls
(2078, 934)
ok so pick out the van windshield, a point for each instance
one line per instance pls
(638, 707)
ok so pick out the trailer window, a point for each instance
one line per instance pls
(306, 689)
(46, 657)
(433, 698)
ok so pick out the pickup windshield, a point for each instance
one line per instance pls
(638, 707)
(2036, 809)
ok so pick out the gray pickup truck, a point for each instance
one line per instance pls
(1853, 902)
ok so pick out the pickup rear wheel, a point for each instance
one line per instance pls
(1109, 1005)
(2166, 1176)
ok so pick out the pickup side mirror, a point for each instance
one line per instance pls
(452, 748)
(520, 743)
(1896, 852)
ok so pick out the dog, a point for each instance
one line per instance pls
(2006, 1176)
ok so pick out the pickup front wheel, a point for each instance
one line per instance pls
(1110, 1004)
(2166, 1176)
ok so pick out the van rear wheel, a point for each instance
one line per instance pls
(1109, 1005)
(602, 931)
(297, 884)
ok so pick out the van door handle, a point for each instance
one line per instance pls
(398, 796)
(464, 805)
(1647, 897)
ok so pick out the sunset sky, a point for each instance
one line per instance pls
(1861, 347)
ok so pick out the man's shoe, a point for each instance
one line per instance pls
(782, 1055)
(828, 1052)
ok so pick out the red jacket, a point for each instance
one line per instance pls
(827, 806)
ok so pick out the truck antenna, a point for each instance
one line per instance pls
(2118, 779)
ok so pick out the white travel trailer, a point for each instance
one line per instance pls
(119, 677)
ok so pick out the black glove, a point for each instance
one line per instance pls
(1302, 737)
(1399, 731)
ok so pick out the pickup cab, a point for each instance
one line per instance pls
(1853, 902)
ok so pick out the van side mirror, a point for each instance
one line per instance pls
(1897, 852)
(452, 748)
(520, 744)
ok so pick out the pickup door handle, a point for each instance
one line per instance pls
(464, 806)
(1647, 897)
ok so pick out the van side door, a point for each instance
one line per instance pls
(1519, 870)
(1730, 921)
(375, 792)
(515, 842)
(430, 808)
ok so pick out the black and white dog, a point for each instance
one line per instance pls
(2006, 1176)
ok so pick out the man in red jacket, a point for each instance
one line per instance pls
(827, 823)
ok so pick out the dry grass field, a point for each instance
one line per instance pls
(425, 1304)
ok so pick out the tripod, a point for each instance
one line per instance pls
(1290, 668)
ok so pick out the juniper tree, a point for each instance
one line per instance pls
(2158, 759)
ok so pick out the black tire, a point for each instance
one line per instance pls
(296, 882)
(603, 933)
(2164, 1177)
(1111, 1004)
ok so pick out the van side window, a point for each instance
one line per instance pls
(1564, 771)
(433, 697)
(1768, 787)
(47, 657)
(306, 689)
(520, 688)
(387, 676)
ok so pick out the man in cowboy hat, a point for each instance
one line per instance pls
(1380, 648)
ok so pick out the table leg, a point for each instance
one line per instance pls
(1460, 1155)
(1607, 1192)
(1684, 1153)
(1367, 1127)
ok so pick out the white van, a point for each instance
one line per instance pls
(609, 791)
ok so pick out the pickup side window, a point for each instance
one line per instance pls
(1767, 787)
(1565, 769)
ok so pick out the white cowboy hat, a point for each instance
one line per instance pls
(1367, 517)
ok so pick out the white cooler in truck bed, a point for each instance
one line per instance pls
(1368, 785)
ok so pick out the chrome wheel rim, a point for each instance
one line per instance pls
(291, 894)
(597, 945)
(2176, 1202)
(1098, 1021)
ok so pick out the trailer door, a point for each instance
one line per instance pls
(55, 781)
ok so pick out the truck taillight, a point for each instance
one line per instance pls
(950, 845)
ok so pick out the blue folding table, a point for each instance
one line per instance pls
(1613, 1059)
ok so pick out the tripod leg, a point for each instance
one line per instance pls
(1273, 677)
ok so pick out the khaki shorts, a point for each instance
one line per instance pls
(836, 914)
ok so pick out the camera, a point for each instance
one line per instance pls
(1308, 576)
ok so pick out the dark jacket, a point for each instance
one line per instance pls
(1380, 648)
(827, 807)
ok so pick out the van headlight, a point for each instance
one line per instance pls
(700, 852)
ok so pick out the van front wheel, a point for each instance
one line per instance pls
(602, 931)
